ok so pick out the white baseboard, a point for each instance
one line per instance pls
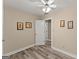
(66, 53)
(21, 49)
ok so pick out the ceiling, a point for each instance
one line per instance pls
(32, 7)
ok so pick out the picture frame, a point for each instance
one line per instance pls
(62, 23)
(19, 25)
(28, 24)
(70, 24)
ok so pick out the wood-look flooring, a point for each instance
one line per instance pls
(40, 52)
(37, 52)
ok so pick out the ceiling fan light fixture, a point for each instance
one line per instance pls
(46, 9)
(48, 5)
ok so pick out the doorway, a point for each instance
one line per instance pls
(48, 33)
(43, 32)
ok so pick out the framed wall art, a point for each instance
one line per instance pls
(70, 24)
(62, 23)
(28, 24)
(19, 25)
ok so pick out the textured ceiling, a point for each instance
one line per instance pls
(32, 7)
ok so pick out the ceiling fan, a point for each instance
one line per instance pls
(48, 5)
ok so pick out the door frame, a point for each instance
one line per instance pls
(50, 18)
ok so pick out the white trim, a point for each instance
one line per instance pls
(66, 53)
(52, 32)
(21, 49)
(50, 18)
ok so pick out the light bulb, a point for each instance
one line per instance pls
(46, 9)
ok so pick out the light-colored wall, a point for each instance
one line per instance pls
(63, 38)
(16, 39)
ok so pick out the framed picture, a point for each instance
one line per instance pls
(19, 25)
(62, 23)
(70, 24)
(28, 24)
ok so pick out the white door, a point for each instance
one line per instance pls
(40, 32)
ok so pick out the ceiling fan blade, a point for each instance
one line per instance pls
(52, 6)
(43, 1)
(50, 2)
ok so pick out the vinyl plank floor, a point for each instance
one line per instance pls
(38, 52)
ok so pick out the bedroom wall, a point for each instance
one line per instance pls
(16, 39)
(63, 38)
